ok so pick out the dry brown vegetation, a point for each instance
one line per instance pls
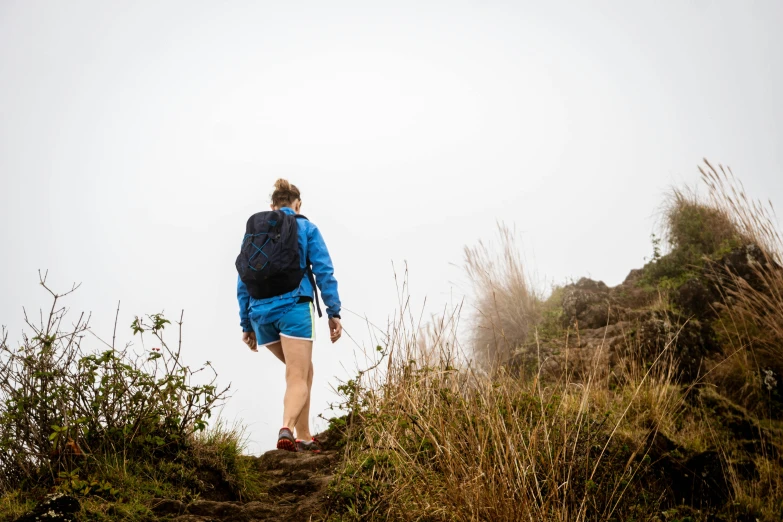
(620, 431)
(506, 304)
(455, 444)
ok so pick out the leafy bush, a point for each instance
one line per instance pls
(696, 229)
(62, 406)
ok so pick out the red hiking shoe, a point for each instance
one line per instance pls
(312, 446)
(285, 440)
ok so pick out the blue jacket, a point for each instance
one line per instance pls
(271, 309)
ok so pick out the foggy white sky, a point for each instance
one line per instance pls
(136, 138)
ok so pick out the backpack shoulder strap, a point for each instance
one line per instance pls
(311, 277)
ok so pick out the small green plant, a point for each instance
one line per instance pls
(70, 482)
(656, 244)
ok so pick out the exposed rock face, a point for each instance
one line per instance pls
(608, 323)
(588, 304)
(696, 299)
(742, 262)
(630, 316)
(620, 319)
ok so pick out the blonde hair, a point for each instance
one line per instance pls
(285, 193)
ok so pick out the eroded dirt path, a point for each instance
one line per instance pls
(296, 485)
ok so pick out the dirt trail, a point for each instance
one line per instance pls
(296, 484)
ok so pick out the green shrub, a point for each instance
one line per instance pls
(694, 230)
(62, 407)
(697, 229)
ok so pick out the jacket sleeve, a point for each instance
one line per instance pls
(244, 306)
(323, 271)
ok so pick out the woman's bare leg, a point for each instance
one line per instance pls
(298, 354)
(302, 426)
(277, 350)
(303, 422)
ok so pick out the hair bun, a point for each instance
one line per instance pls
(282, 185)
(285, 193)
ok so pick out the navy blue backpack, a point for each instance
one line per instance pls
(268, 262)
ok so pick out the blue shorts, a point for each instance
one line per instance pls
(297, 323)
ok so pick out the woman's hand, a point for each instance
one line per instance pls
(249, 338)
(335, 329)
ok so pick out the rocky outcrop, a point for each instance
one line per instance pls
(608, 321)
(588, 304)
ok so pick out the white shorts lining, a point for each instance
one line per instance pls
(300, 338)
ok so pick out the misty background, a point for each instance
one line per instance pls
(136, 139)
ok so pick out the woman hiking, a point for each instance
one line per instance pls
(283, 256)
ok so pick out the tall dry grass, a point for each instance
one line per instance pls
(435, 438)
(751, 290)
(760, 299)
(749, 282)
(505, 302)
(755, 221)
(443, 441)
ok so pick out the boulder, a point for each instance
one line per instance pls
(54, 508)
(586, 303)
(689, 341)
(695, 299)
(744, 262)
